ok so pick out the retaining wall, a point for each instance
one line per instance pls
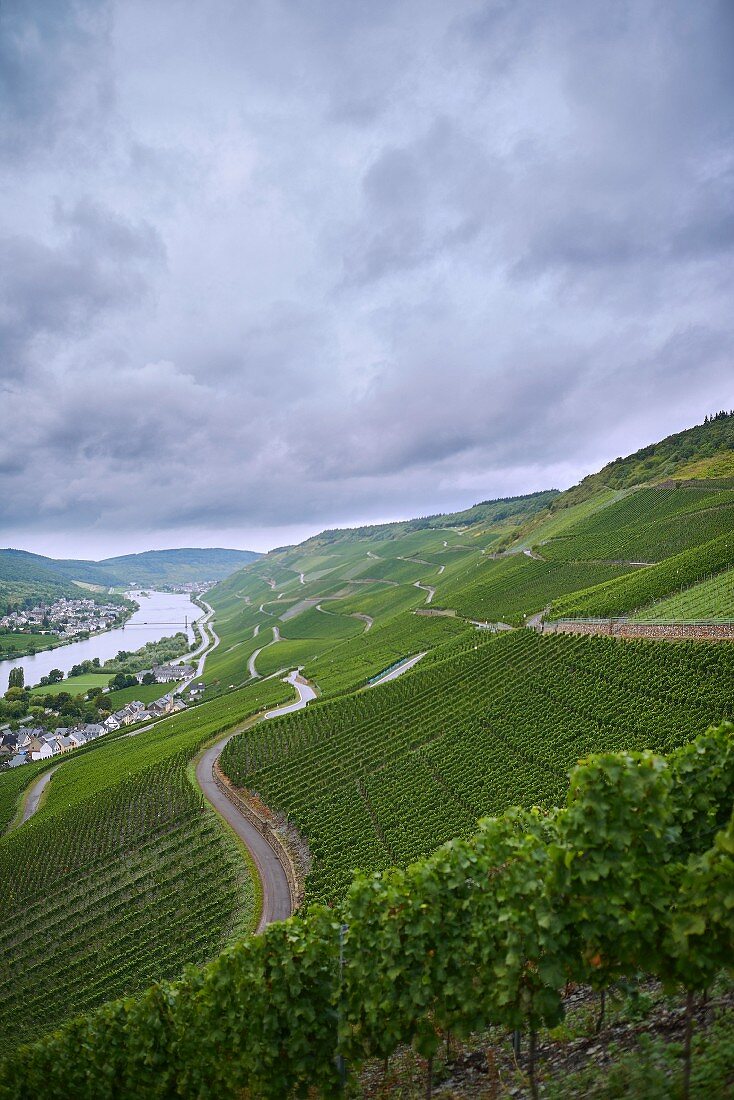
(268, 831)
(671, 632)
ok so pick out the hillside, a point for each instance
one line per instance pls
(177, 566)
(703, 451)
(128, 875)
(26, 579)
(25, 576)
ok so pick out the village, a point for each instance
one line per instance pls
(29, 744)
(66, 618)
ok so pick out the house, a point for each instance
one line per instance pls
(197, 689)
(111, 724)
(44, 752)
(17, 760)
(172, 673)
(93, 729)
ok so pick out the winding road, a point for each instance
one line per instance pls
(426, 588)
(276, 901)
(251, 663)
(393, 674)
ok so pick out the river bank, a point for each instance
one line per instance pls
(158, 615)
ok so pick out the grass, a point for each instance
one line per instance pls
(19, 645)
(146, 693)
(76, 685)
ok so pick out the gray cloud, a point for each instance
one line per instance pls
(287, 264)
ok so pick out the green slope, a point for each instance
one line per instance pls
(124, 875)
(385, 776)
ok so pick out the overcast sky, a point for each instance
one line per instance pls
(279, 265)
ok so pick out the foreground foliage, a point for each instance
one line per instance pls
(635, 872)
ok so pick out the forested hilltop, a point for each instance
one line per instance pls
(465, 666)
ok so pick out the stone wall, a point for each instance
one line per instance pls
(269, 831)
(671, 632)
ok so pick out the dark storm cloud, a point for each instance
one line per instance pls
(285, 263)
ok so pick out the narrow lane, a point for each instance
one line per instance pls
(276, 893)
(34, 793)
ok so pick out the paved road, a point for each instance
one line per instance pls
(426, 588)
(395, 672)
(33, 797)
(251, 663)
(276, 895)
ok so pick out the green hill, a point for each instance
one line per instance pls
(124, 876)
(27, 578)
(176, 566)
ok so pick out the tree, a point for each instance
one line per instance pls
(55, 676)
(17, 677)
(149, 678)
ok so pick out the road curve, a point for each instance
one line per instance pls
(404, 666)
(276, 903)
(426, 588)
(34, 792)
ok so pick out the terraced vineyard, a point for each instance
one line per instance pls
(710, 601)
(508, 589)
(648, 525)
(349, 666)
(639, 589)
(123, 875)
(386, 776)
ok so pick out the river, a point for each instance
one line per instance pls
(160, 615)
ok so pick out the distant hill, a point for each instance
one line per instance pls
(27, 578)
(177, 566)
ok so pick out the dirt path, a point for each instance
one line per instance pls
(366, 619)
(276, 893)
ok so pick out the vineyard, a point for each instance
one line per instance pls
(385, 776)
(648, 525)
(709, 601)
(349, 666)
(637, 590)
(633, 873)
(508, 589)
(123, 875)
